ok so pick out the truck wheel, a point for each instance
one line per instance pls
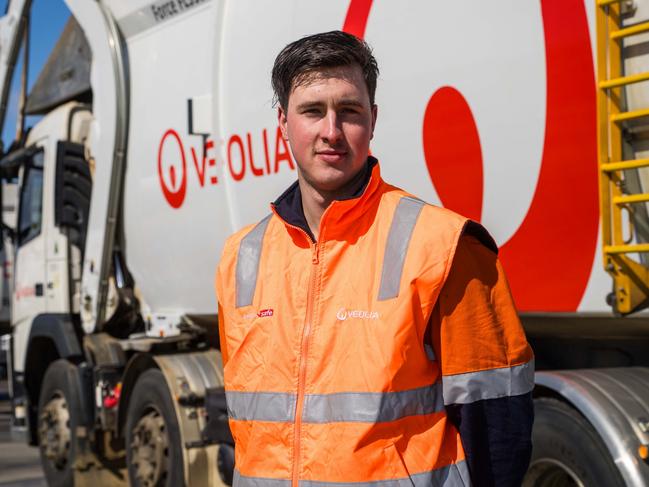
(153, 448)
(59, 399)
(567, 451)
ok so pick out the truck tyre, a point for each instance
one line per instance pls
(153, 446)
(59, 407)
(567, 451)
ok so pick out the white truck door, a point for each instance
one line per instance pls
(9, 207)
(29, 298)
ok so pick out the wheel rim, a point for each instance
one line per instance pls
(54, 431)
(150, 449)
(550, 472)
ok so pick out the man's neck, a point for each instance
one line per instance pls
(315, 201)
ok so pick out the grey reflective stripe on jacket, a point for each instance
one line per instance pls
(453, 475)
(403, 223)
(488, 384)
(261, 406)
(346, 407)
(372, 407)
(245, 481)
(396, 247)
(248, 259)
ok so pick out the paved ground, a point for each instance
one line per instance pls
(19, 463)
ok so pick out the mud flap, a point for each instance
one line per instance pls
(188, 377)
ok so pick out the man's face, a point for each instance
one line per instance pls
(329, 123)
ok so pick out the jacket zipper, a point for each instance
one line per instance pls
(304, 350)
(304, 344)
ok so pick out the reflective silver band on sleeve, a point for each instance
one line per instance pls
(248, 263)
(488, 384)
(372, 407)
(261, 406)
(396, 247)
(453, 475)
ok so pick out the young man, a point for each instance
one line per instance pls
(366, 336)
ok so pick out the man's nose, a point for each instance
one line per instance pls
(331, 130)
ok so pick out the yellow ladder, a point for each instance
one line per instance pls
(630, 278)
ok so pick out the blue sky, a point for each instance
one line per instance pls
(47, 21)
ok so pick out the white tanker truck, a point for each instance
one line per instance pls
(159, 139)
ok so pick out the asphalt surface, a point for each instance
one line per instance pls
(19, 464)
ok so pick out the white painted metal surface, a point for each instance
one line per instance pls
(41, 266)
(194, 176)
(105, 136)
(9, 215)
(223, 51)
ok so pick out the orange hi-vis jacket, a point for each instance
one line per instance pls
(329, 375)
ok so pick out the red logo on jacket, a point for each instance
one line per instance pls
(265, 313)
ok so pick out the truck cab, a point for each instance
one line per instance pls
(55, 184)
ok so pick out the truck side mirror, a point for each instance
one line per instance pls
(10, 163)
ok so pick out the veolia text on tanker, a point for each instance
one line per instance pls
(242, 155)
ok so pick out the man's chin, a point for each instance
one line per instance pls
(333, 183)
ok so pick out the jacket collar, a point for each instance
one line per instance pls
(288, 207)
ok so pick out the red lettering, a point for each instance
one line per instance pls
(285, 155)
(237, 176)
(200, 171)
(211, 161)
(264, 134)
(265, 313)
(174, 195)
(255, 170)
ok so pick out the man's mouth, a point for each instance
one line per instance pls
(330, 155)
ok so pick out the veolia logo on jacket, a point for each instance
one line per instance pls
(360, 314)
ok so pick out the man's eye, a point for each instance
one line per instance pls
(311, 111)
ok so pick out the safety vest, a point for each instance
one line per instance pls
(328, 376)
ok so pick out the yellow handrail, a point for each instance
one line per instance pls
(630, 31)
(624, 80)
(631, 198)
(626, 249)
(622, 165)
(624, 116)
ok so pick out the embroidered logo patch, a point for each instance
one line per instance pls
(360, 314)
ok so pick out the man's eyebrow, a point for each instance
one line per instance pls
(345, 102)
(351, 102)
(309, 104)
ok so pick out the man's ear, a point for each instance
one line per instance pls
(375, 112)
(281, 119)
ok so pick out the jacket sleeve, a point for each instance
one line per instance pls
(487, 366)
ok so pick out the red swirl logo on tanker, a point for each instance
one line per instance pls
(242, 158)
(549, 258)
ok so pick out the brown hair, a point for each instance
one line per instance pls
(303, 59)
